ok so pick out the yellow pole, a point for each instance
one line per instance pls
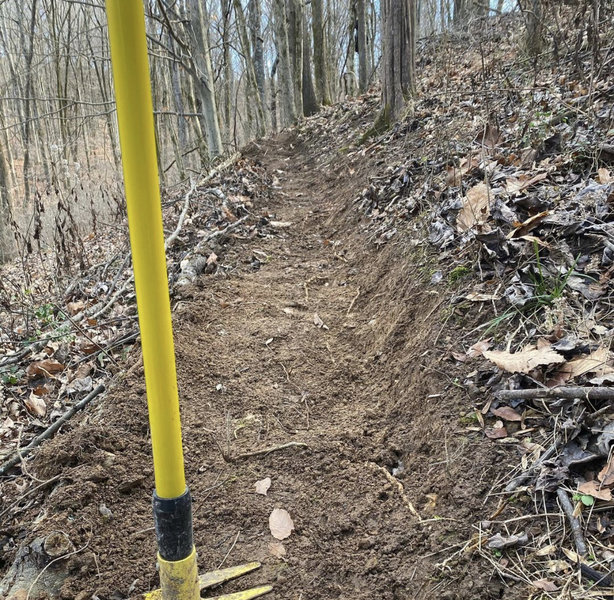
(126, 22)
(172, 504)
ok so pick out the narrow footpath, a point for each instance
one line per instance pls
(312, 364)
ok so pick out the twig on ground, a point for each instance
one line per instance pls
(223, 232)
(30, 491)
(576, 528)
(599, 579)
(120, 341)
(186, 205)
(588, 393)
(234, 543)
(229, 458)
(112, 300)
(86, 335)
(124, 264)
(20, 454)
(63, 557)
(515, 483)
(400, 488)
(351, 306)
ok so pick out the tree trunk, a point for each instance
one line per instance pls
(255, 26)
(252, 93)
(29, 102)
(274, 93)
(350, 82)
(398, 60)
(319, 53)
(461, 12)
(534, 28)
(284, 69)
(203, 75)
(228, 82)
(481, 8)
(6, 241)
(363, 50)
(310, 102)
(294, 14)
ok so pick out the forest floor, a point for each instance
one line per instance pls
(328, 345)
(340, 346)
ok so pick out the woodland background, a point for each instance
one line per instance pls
(223, 72)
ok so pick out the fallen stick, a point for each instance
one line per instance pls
(400, 488)
(588, 393)
(186, 205)
(515, 483)
(31, 491)
(598, 578)
(111, 301)
(576, 528)
(223, 232)
(351, 306)
(264, 451)
(20, 454)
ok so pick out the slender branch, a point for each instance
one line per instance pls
(588, 393)
(576, 528)
(48, 433)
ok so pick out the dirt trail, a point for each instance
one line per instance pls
(358, 389)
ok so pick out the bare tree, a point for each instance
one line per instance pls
(286, 83)
(255, 26)
(320, 54)
(310, 102)
(398, 62)
(363, 50)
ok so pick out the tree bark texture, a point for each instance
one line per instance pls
(284, 69)
(398, 60)
(320, 53)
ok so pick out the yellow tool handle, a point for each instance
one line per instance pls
(136, 131)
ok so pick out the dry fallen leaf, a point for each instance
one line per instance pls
(36, 406)
(75, 307)
(546, 585)
(280, 224)
(522, 229)
(317, 321)
(478, 297)
(496, 433)
(500, 542)
(280, 524)
(45, 368)
(606, 475)
(596, 362)
(475, 210)
(506, 413)
(277, 549)
(525, 361)
(479, 348)
(546, 550)
(83, 384)
(603, 176)
(515, 185)
(455, 174)
(592, 488)
(262, 486)
(572, 556)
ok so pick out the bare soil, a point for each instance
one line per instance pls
(317, 338)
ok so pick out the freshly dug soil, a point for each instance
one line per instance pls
(317, 338)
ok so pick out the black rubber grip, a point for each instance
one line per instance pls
(173, 521)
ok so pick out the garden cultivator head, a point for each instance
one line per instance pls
(172, 503)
